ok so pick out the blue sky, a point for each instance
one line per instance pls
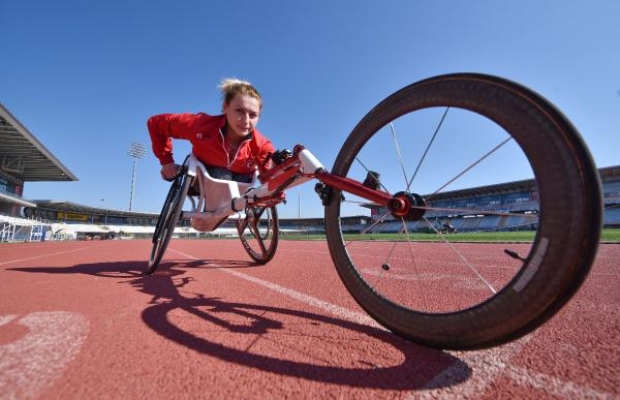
(84, 76)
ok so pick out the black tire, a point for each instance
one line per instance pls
(452, 295)
(259, 231)
(168, 218)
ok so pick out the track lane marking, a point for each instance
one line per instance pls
(33, 362)
(493, 364)
(49, 255)
(553, 385)
(349, 315)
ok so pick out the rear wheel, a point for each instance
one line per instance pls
(259, 232)
(168, 218)
(472, 133)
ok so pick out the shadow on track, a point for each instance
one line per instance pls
(217, 327)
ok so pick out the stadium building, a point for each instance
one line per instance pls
(25, 159)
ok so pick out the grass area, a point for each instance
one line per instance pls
(608, 235)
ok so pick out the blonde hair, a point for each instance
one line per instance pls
(230, 87)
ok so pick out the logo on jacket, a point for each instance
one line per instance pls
(250, 165)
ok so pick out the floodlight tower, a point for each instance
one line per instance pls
(136, 151)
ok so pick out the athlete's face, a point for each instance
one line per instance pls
(241, 115)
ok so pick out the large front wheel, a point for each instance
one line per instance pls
(470, 153)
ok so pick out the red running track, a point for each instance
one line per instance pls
(78, 320)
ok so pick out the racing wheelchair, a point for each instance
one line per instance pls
(446, 293)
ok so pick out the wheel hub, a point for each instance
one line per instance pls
(408, 206)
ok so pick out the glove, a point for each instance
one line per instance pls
(279, 156)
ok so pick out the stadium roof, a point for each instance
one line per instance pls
(610, 173)
(24, 157)
(10, 198)
(483, 190)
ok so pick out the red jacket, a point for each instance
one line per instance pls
(205, 132)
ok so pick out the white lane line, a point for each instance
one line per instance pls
(480, 369)
(5, 319)
(49, 255)
(551, 384)
(341, 312)
(30, 364)
(477, 372)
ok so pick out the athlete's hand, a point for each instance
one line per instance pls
(169, 171)
(281, 155)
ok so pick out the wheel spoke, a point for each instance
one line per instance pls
(368, 171)
(430, 143)
(463, 258)
(377, 222)
(398, 153)
(472, 165)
